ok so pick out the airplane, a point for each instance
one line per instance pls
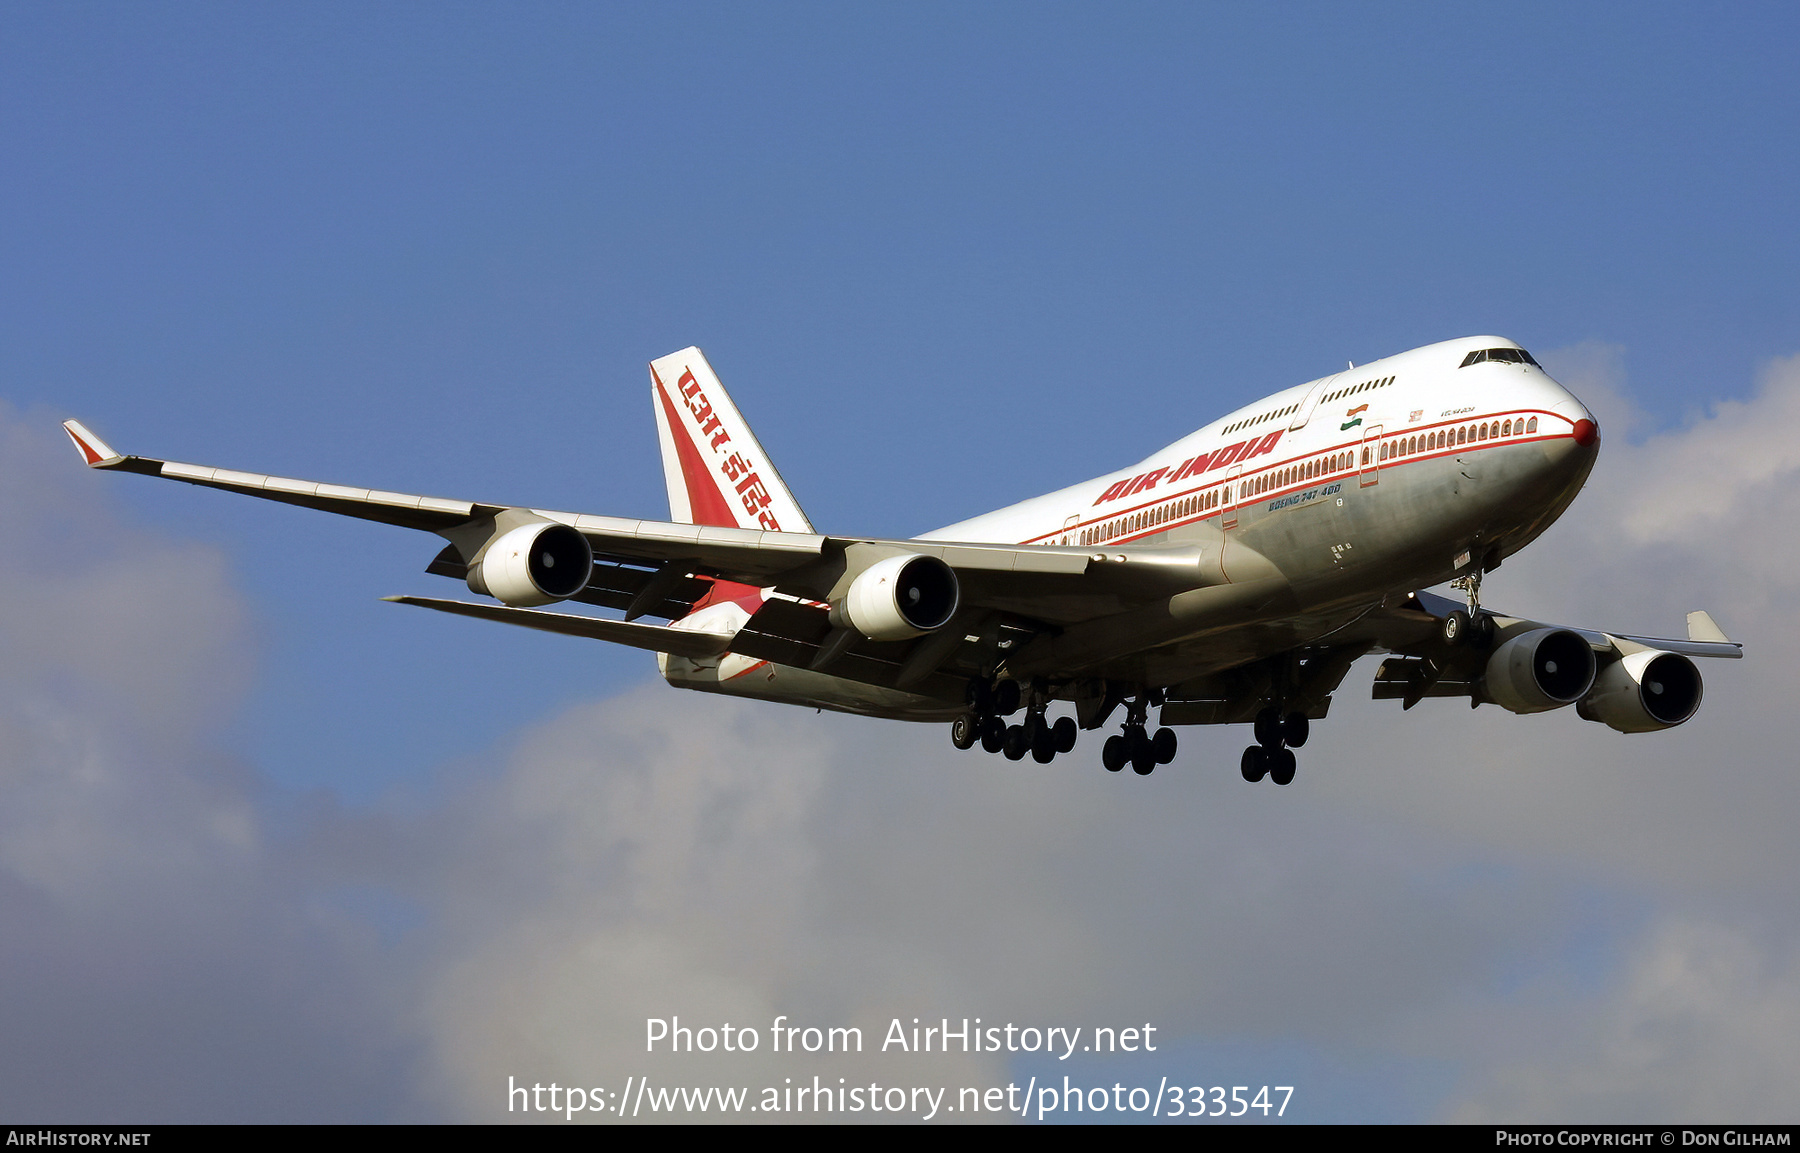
(1232, 577)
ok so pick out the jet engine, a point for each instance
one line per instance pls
(1644, 692)
(899, 597)
(534, 564)
(1539, 670)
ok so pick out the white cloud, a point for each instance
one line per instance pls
(1704, 1026)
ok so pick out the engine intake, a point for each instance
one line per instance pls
(534, 564)
(900, 597)
(1539, 670)
(1644, 692)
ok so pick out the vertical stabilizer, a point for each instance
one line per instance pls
(715, 470)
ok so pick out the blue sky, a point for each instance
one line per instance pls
(945, 257)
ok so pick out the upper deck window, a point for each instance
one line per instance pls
(1503, 355)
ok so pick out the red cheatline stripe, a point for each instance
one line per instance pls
(1323, 478)
(706, 504)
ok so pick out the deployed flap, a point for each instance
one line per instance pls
(716, 471)
(656, 638)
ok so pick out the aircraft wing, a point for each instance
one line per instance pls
(1420, 618)
(1424, 664)
(1049, 583)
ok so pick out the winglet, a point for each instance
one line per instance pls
(96, 452)
(1701, 627)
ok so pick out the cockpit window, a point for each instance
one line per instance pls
(1504, 355)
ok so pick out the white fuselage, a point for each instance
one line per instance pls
(1386, 477)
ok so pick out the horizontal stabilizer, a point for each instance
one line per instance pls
(656, 638)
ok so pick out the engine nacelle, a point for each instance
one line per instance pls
(1644, 692)
(900, 597)
(534, 564)
(1539, 670)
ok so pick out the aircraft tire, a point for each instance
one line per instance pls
(965, 731)
(1065, 734)
(993, 734)
(1143, 752)
(1454, 629)
(1268, 728)
(1481, 630)
(1162, 746)
(1255, 764)
(1016, 744)
(1281, 770)
(1112, 754)
(1295, 728)
(1006, 698)
(1043, 745)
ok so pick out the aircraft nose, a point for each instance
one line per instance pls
(1586, 427)
(1582, 447)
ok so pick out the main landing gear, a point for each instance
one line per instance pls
(1277, 737)
(1036, 735)
(1135, 747)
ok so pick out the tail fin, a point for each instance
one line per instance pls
(716, 471)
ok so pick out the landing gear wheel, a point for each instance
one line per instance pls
(1162, 746)
(1043, 744)
(1065, 733)
(993, 734)
(1016, 745)
(1268, 728)
(1281, 767)
(1454, 629)
(1113, 754)
(1255, 764)
(1481, 630)
(965, 731)
(1143, 753)
(1295, 728)
(1006, 698)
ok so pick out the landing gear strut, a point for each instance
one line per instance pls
(1134, 746)
(989, 703)
(1472, 627)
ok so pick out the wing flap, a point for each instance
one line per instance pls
(791, 633)
(655, 638)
